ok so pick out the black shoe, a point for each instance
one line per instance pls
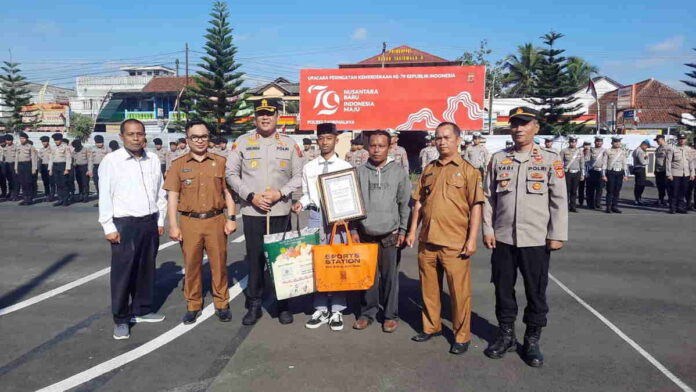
(23, 203)
(531, 353)
(682, 211)
(672, 211)
(608, 211)
(505, 343)
(459, 348)
(224, 315)
(285, 317)
(615, 210)
(191, 316)
(67, 203)
(573, 209)
(253, 314)
(57, 204)
(424, 337)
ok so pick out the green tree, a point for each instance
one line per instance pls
(553, 89)
(691, 106)
(13, 88)
(80, 126)
(522, 69)
(580, 71)
(218, 92)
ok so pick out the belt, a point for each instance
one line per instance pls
(313, 208)
(573, 171)
(136, 218)
(202, 215)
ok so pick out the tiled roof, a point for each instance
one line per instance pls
(404, 54)
(282, 83)
(167, 84)
(656, 101)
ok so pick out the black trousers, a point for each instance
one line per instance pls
(594, 185)
(61, 181)
(26, 180)
(639, 187)
(662, 186)
(254, 230)
(49, 187)
(614, 184)
(572, 182)
(71, 181)
(581, 192)
(679, 187)
(385, 291)
(163, 167)
(533, 263)
(82, 181)
(12, 180)
(690, 195)
(133, 267)
(3, 181)
(95, 177)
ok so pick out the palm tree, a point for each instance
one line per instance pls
(522, 69)
(579, 71)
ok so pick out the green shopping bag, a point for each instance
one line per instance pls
(289, 260)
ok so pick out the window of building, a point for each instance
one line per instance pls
(131, 73)
(140, 73)
(149, 73)
(156, 73)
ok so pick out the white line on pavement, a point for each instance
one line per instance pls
(76, 283)
(64, 288)
(625, 337)
(140, 351)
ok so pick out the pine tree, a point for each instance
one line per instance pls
(217, 92)
(553, 89)
(691, 106)
(13, 88)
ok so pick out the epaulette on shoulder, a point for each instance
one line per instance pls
(549, 150)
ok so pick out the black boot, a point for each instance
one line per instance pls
(506, 342)
(531, 353)
(253, 314)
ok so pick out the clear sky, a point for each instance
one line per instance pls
(628, 40)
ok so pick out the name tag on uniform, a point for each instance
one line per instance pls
(186, 170)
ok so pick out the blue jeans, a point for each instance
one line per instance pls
(337, 299)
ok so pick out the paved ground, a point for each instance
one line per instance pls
(635, 269)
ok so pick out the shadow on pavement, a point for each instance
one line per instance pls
(15, 295)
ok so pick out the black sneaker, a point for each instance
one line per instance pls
(336, 321)
(318, 319)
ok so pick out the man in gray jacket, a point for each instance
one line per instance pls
(386, 191)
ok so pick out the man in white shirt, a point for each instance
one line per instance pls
(327, 162)
(132, 208)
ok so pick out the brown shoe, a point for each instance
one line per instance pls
(362, 323)
(390, 326)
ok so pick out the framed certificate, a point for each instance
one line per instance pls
(341, 196)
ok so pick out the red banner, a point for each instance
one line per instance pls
(404, 98)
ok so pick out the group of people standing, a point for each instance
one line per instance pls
(61, 167)
(443, 215)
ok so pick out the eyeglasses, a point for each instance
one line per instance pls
(198, 138)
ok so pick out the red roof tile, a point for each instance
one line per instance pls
(167, 84)
(402, 55)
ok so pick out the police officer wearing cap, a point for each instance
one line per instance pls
(574, 164)
(429, 153)
(81, 164)
(679, 172)
(309, 153)
(44, 156)
(640, 162)
(10, 155)
(161, 153)
(548, 143)
(397, 152)
(477, 154)
(59, 166)
(525, 217)
(26, 165)
(661, 170)
(690, 194)
(581, 185)
(595, 172)
(614, 173)
(264, 168)
(98, 153)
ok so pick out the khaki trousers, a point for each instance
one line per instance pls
(432, 260)
(209, 235)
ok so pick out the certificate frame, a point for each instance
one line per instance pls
(341, 196)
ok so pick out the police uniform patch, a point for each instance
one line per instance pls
(538, 159)
(283, 164)
(504, 183)
(558, 168)
(506, 161)
(254, 164)
(504, 175)
(536, 186)
(234, 146)
(537, 176)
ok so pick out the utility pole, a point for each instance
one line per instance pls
(177, 66)
(490, 103)
(187, 65)
(384, 52)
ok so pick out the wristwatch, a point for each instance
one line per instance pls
(250, 197)
(233, 218)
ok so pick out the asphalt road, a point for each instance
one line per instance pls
(635, 269)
